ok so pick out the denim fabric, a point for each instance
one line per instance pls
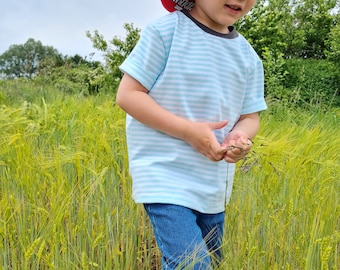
(186, 238)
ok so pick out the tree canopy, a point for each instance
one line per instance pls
(116, 50)
(296, 28)
(23, 60)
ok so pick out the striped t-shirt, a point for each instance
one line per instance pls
(201, 75)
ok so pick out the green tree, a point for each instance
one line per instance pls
(312, 24)
(296, 28)
(116, 50)
(333, 43)
(23, 60)
(264, 26)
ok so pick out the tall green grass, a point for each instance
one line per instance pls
(65, 192)
(285, 209)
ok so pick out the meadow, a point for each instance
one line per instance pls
(65, 199)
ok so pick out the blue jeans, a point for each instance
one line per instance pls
(186, 238)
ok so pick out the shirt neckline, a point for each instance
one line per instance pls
(232, 30)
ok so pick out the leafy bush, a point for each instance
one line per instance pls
(313, 81)
(275, 72)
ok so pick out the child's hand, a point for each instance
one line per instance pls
(200, 136)
(238, 146)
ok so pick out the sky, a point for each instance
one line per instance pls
(62, 24)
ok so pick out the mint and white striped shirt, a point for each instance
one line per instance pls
(200, 75)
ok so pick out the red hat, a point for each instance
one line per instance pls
(172, 5)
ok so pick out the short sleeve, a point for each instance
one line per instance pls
(254, 99)
(147, 60)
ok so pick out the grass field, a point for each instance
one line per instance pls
(65, 198)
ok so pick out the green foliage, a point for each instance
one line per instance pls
(264, 26)
(313, 21)
(296, 28)
(23, 60)
(283, 30)
(275, 74)
(115, 51)
(312, 81)
(333, 43)
(71, 80)
(76, 75)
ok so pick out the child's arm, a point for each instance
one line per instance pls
(238, 141)
(133, 98)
